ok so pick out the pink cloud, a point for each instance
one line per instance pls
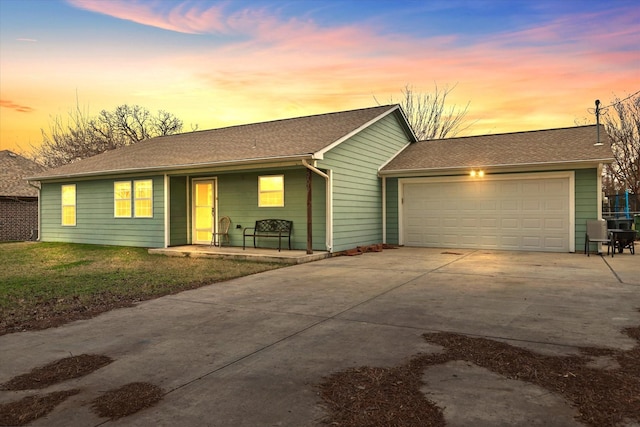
(544, 75)
(16, 107)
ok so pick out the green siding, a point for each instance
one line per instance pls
(586, 192)
(393, 222)
(95, 222)
(357, 190)
(178, 211)
(238, 199)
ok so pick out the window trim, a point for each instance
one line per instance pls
(116, 200)
(133, 199)
(261, 204)
(63, 205)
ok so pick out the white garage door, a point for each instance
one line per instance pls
(501, 212)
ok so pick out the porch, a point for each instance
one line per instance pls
(249, 254)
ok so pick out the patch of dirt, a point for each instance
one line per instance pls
(57, 372)
(127, 400)
(382, 397)
(57, 312)
(50, 314)
(30, 408)
(369, 396)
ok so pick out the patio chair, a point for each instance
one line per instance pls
(222, 233)
(597, 233)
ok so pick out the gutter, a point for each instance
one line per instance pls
(540, 166)
(37, 187)
(168, 168)
(329, 203)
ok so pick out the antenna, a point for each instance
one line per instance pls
(598, 122)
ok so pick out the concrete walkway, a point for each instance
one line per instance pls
(250, 351)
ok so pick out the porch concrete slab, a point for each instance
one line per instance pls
(284, 256)
(251, 351)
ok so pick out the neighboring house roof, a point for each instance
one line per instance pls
(533, 149)
(13, 170)
(296, 138)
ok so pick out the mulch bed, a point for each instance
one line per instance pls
(369, 396)
(50, 314)
(56, 372)
(30, 408)
(127, 400)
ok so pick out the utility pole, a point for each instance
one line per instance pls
(598, 122)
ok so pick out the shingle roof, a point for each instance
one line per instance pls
(13, 169)
(542, 147)
(288, 138)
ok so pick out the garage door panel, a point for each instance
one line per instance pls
(509, 224)
(531, 242)
(525, 214)
(557, 205)
(509, 205)
(489, 223)
(531, 223)
(554, 224)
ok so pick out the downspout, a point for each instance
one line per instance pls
(599, 190)
(329, 203)
(384, 209)
(167, 220)
(38, 187)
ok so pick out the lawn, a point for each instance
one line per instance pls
(48, 284)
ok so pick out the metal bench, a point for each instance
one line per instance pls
(265, 228)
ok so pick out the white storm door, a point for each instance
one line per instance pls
(204, 198)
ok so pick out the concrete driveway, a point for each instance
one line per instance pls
(249, 352)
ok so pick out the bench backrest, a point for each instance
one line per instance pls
(273, 225)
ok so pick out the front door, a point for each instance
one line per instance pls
(204, 205)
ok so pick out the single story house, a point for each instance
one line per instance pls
(345, 179)
(18, 199)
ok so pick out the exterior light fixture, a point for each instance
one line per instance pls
(472, 173)
(476, 173)
(480, 174)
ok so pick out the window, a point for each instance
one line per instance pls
(122, 199)
(142, 199)
(271, 191)
(68, 204)
(143, 205)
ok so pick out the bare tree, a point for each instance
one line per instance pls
(429, 115)
(622, 122)
(82, 136)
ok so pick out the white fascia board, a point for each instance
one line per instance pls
(225, 165)
(320, 154)
(456, 170)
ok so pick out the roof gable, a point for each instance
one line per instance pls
(294, 138)
(13, 170)
(518, 149)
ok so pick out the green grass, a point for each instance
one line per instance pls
(54, 279)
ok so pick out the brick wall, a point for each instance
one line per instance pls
(18, 218)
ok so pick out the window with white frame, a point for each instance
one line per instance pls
(136, 199)
(271, 191)
(68, 205)
(143, 200)
(122, 199)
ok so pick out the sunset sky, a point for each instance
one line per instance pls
(521, 65)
